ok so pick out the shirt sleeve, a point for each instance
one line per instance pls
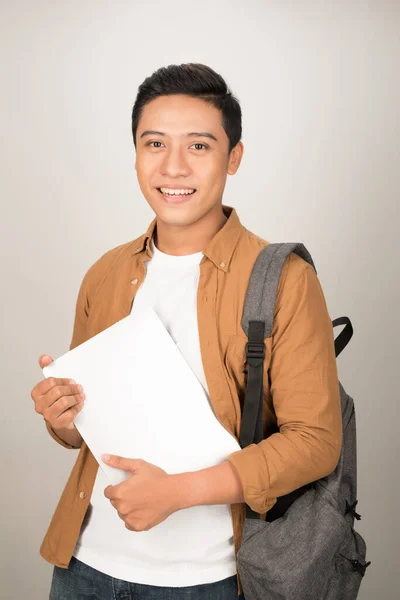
(304, 387)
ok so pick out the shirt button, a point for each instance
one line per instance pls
(222, 264)
(134, 280)
(82, 495)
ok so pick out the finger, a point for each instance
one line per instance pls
(66, 419)
(45, 402)
(47, 384)
(59, 392)
(54, 410)
(120, 462)
(123, 514)
(45, 360)
(109, 492)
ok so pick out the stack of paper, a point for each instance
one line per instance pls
(142, 399)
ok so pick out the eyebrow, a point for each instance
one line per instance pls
(191, 134)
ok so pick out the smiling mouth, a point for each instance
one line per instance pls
(159, 189)
(176, 197)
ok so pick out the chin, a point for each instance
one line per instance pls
(177, 217)
(178, 214)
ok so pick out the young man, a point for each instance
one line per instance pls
(192, 265)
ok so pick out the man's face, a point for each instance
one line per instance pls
(176, 156)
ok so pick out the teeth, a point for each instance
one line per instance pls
(176, 192)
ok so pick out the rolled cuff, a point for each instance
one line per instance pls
(249, 463)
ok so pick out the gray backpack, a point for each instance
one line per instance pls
(307, 549)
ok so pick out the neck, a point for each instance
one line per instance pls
(188, 239)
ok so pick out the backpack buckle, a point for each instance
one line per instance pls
(356, 565)
(351, 508)
(255, 350)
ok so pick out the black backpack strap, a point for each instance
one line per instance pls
(251, 425)
(344, 336)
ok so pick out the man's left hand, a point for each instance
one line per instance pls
(144, 500)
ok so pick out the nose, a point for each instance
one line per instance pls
(174, 164)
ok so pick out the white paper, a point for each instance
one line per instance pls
(142, 399)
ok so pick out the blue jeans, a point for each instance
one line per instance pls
(81, 582)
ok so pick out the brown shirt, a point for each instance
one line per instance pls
(301, 416)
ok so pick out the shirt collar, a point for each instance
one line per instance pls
(219, 249)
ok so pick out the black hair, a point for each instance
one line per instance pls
(195, 80)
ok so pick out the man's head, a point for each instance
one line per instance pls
(195, 125)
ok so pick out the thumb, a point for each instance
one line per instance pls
(119, 462)
(45, 360)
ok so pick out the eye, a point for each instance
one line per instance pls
(196, 144)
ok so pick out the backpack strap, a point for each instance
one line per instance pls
(257, 322)
(263, 285)
(345, 336)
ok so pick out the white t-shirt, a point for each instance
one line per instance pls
(170, 287)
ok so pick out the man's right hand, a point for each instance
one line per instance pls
(58, 400)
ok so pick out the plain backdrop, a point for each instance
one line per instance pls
(318, 84)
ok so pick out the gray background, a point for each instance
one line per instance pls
(319, 88)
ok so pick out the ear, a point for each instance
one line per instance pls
(235, 158)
